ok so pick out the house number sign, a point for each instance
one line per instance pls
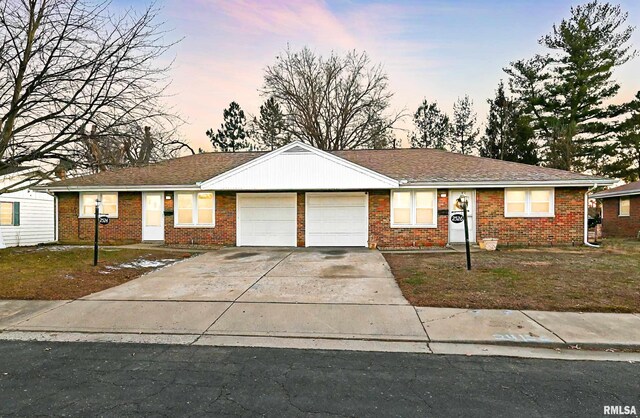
(456, 218)
(104, 220)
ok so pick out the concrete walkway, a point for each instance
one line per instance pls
(302, 298)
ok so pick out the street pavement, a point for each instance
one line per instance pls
(106, 379)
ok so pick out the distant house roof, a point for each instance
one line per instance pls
(407, 166)
(624, 190)
(5, 171)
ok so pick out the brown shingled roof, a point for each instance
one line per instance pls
(412, 165)
(624, 190)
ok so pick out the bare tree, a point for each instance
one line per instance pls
(67, 65)
(333, 103)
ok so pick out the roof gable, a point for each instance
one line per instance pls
(298, 166)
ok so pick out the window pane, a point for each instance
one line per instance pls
(88, 204)
(205, 216)
(424, 200)
(625, 206)
(6, 213)
(515, 207)
(515, 196)
(185, 201)
(424, 216)
(109, 198)
(205, 200)
(401, 216)
(185, 216)
(540, 207)
(540, 196)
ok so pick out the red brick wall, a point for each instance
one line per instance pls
(383, 236)
(615, 226)
(126, 228)
(224, 233)
(567, 227)
(300, 219)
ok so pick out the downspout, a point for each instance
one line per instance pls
(586, 218)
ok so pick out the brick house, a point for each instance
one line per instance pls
(298, 195)
(621, 211)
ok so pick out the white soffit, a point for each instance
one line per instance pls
(299, 166)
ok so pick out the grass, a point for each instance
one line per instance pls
(55, 272)
(579, 279)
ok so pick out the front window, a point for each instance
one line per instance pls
(6, 213)
(625, 206)
(415, 208)
(528, 202)
(108, 204)
(195, 209)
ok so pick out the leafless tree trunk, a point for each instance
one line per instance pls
(66, 65)
(334, 103)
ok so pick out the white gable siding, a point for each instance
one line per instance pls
(37, 219)
(300, 169)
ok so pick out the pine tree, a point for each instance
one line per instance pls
(269, 129)
(232, 135)
(464, 134)
(564, 91)
(626, 165)
(508, 134)
(432, 127)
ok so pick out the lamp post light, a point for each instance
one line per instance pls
(463, 202)
(95, 239)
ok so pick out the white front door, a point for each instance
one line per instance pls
(153, 216)
(456, 228)
(266, 219)
(336, 220)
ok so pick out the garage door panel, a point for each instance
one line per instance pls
(336, 219)
(267, 220)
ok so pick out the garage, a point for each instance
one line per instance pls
(266, 219)
(336, 220)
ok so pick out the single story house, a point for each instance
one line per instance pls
(298, 195)
(621, 211)
(27, 217)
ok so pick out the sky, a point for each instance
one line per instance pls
(434, 50)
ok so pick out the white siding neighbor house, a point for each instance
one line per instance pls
(27, 217)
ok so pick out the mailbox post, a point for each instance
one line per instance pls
(95, 238)
(463, 201)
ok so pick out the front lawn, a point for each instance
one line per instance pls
(580, 279)
(67, 272)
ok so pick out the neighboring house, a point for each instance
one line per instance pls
(621, 211)
(27, 217)
(298, 195)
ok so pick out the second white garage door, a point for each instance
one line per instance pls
(336, 220)
(266, 219)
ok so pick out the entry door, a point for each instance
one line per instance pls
(456, 229)
(153, 216)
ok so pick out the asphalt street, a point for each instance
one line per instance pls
(88, 379)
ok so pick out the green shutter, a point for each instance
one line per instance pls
(16, 213)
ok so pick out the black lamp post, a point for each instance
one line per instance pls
(95, 239)
(463, 202)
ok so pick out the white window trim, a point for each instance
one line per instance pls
(194, 210)
(527, 204)
(112, 216)
(412, 210)
(620, 214)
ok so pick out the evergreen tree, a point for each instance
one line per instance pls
(508, 134)
(564, 91)
(432, 127)
(232, 135)
(269, 129)
(626, 165)
(464, 133)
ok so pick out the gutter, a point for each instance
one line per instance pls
(586, 218)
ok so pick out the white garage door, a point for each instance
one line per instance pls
(336, 220)
(266, 219)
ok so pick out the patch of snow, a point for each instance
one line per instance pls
(142, 263)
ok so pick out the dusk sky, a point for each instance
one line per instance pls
(438, 50)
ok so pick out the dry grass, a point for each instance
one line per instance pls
(54, 273)
(554, 279)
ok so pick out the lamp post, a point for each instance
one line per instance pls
(463, 202)
(95, 239)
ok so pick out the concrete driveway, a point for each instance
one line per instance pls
(354, 276)
(322, 293)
